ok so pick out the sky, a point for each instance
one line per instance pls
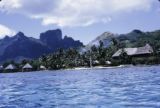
(83, 20)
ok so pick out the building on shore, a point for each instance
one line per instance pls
(27, 67)
(96, 62)
(108, 62)
(1, 68)
(145, 51)
(10, 68)
(42, 67)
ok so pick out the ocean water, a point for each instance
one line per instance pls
(134, 87)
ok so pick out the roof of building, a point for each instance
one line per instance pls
(147, 49)
(96, 61)
(42, 67)
(27, 66)
(10, 67)
(1, 67)
(108, 62)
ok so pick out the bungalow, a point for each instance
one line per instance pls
(1, 68)
(147, 50)
(108, 62)
(27, 67)
(42, 67)
(96, 62)
(10, 68)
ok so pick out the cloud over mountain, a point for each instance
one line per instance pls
(74, 12)
(6, 31)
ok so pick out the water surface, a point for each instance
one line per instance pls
(136, 87)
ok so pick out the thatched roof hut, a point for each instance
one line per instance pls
(1, 67)
(10, 67)
(108, 62)
(96, 62)
(42, 67)
(27, 66)
(146, 50)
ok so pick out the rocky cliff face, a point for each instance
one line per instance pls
(53, 39)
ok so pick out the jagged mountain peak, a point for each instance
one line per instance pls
(20, 35)
(6, 38)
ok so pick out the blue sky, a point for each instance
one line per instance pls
(81, 19)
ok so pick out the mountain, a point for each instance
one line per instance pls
(21, 47)
(135, 38)
(106, 38)
(133, 35)
(68, 42)
(53, 39)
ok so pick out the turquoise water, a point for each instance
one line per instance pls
(136, 87)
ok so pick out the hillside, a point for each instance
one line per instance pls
(106, 38)
(135, 38)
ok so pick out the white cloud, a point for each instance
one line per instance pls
(9, 5)
(74, 12)
(6, 31)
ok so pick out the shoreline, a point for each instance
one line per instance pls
(100, 67)
(90, 68)
(109, 67)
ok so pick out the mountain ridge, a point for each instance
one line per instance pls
(135, 38)
(19, 46)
